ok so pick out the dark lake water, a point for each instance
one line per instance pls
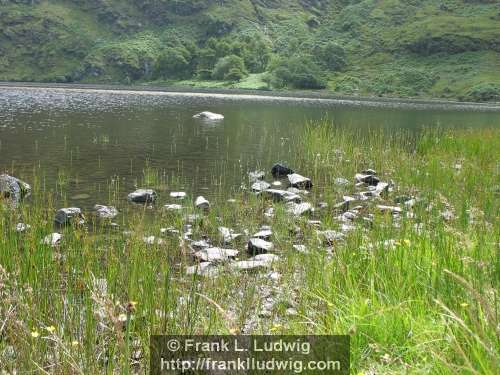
(87, 141)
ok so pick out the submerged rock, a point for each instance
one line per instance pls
(260, 186)
(300, 182)
(206, 115)
(259, 246)
(13, 188)
(201, 202)
(69, 215)
(279, 170)
(106, 212)
(215, 254)
(142, 196)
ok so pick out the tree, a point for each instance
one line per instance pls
(230, 64)
(298, 72)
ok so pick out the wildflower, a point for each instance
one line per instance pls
(50, 329)
(35, 334)
(464, 304)
(74, 343)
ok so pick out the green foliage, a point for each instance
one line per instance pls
(331, 55)
(484, 93)
(175, 62)
(299, 73)
(229, 68)
(408, 81)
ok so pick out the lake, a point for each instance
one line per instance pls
(87, 142)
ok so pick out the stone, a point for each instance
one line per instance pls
(228, 234)
(172, 207)
(13, 188)
(142, 196)
(105, 212)
(269, 212)
(381, 188)
(268, 258)
(367, 179)
(206, 269)
(199, 245)
(260, 186)
(215, 254)
(21, 227)
(392, 209)
(256, 176)
(301, 248)
(152, 240)
(300, 182)
(264, 234)
(69, 215)
(282, 195)
(277, 183)
(298, 209)
(206, 115)
(340, 181)
(202, 203)
(370, 172)
(280, 170)
(331, 236)
(259, 246)
(178, 194)
(52, 239)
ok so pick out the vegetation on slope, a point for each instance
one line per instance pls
(429, 48)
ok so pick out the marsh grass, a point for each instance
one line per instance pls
(427, 303)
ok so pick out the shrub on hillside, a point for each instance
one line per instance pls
(486, 92)
(297, 72)
(228, 68)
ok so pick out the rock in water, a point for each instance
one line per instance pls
(142, 196)
(260, 186)
(69, 215)
(259, 246)
(201, 202)
(13, 188)
(206, 115)
(106, 212)
(299, 182)
(279, 170)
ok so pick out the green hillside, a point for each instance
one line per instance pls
(413, 48)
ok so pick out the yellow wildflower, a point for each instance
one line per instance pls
(35, 334)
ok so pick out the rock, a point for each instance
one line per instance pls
(199, 245)
(341, 181)
(228, 234)
(52, 239)
(301, 248)
(172, 207)
(142, 196)
(277, 183)
(269, 212)
(21, 227)
(169, 231)
(258, 261)
(381, 188)
(152, 240)
(300, 182)
(282, 195)
(331, 236)
(279, 170)
(392, 209)
(367, 179)
(202, 203)
(68, 215)
(106, 212)
(298, 209)
(314, 223)
(206, 115)
(206, 269)
(256, 176)
(322, 205)
(215, 254)
(370, 172)
(264, 234)
(269, 258)
(260, 186)
(259, 246)
(13, 188)
(178, 194)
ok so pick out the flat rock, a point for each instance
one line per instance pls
(259, 246)
(202, 203)
(105, 212)
(206, 269)
(69, 215)
(142, 196)
(300, 182)
(392, 209)
(298, 209)
(282, 195)
(256, 262)
(367, 179)
(172, 207)
(260, 186)
(207, 115)
(280, 170)
(215, 254)
(178, 194)
(264, 234)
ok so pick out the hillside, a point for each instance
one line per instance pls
(413, 48)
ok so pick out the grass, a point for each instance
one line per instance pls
(417, 294)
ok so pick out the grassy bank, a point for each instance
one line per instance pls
(417, 291)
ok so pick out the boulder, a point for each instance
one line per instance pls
(206, 115)
(215, 254)
(368, 179)
(142, 196)
(105, 212)
(13, 188)
(299, 182)
(259, 186)
(69, 215)
(279, 170)
(298, 209)
(201, 202)
(264, 234)
(259, 246)
(228, 234)
(256, 176)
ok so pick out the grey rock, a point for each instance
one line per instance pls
(228, 234)
(370, 172)
(300, 182)
(298, 209)
(106, 212)
(301, 248)
(13, 188)
(52, 239)
(282, 195)
(142, 196)
(259, 246)
(172, 207)
(215, 254)
(69, 215)
(260, 186)
(199, 245)
(202, 203)
(280, 170)
(206, 115)
(178, 194)
(381, 188)
(264, 234)
(256, 176)
(331, 236)
(206, 269)
(256, 262)
(367, 179)
(391, 209)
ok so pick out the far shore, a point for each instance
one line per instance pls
(244, 94)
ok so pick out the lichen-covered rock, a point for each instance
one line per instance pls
(105, 212)
(13, 188)
(69, 215)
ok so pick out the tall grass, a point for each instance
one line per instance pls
(424, 303)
